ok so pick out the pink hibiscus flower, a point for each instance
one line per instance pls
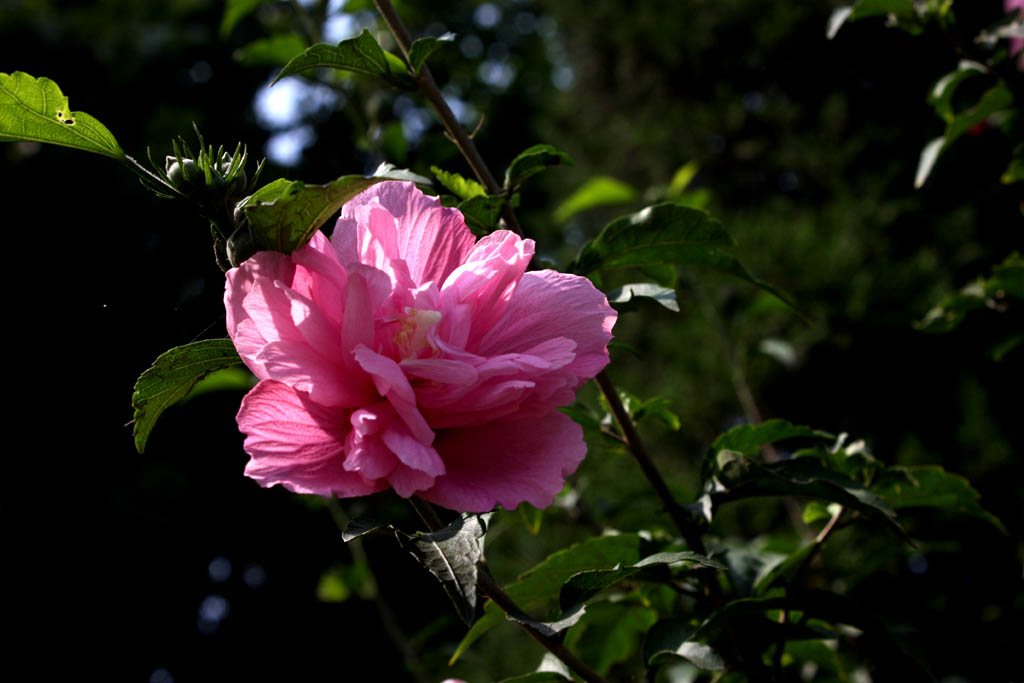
(403, 353)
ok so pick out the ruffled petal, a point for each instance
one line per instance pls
(431, 239)
(507, 463)
(297, 443)
(547, 304)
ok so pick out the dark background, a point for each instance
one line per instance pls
(808, 148)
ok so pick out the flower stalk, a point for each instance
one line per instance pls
(688, 528)
(487, 586)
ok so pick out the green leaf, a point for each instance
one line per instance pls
(461, 187)
(665, 234)
(660, 408)
(234, 12)
(228, 379)
(995, 99)
(863, 9)
(35, 110)
(941, 95)
(673, 638)
(1014, 172)
(736, 476)
(482, 213)
(532, 517)
(665, 296)
(364, 525)
(285, 214)
(783, 572)
(681, 180)
(531, 161)
(551, 628)
(1005, 283)
(600, 190)
(538, 677)
(272, 51)
(172, 377)
(585, 585)
(342, 581)
(422, 48)
(931, 486)
(748, 439)
(451, 555)
(362, 54)
(611, 633)
(542, 584)
(929, 155)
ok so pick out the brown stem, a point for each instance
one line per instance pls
(428, 87)
(683, 521)
(488, 587)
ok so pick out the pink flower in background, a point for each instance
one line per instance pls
(1016, 44)
(403, 353)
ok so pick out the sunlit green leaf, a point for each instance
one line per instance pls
(362, 54)
(665, 234)
(35, 110)
(463, 188)
(681, 180)
(227, 379)
(597, 191)
(284, 214)
(172, 377)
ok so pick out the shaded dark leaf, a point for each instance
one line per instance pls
(422, 48)
(531, 161)
(451, 555)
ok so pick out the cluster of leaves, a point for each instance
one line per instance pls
(993, 100)
(637, 598)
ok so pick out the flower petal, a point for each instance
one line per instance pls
(507, 463)
(431, 239)
(297, 443)
(546, 305)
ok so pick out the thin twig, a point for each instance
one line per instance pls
(487, 586)
(387, 617)
(428, 87)
(683, 521)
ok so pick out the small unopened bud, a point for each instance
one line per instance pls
(183, 174)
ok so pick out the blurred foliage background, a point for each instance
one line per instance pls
(172, 566)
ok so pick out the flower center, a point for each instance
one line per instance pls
(412, 336)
